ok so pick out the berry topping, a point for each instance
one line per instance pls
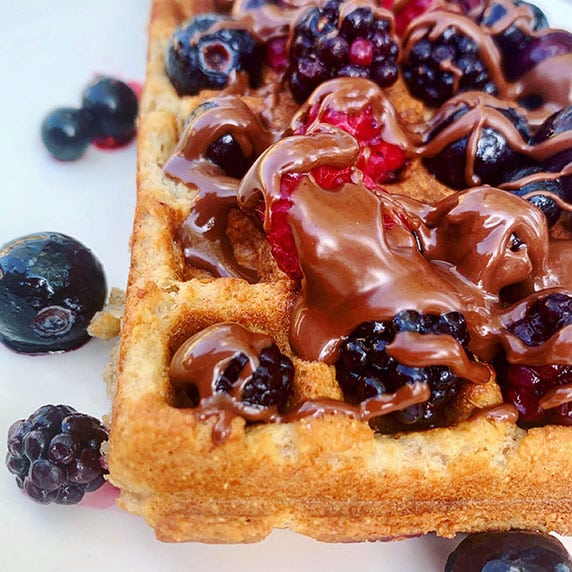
(328, 42)
(56, 454)
(67, 132)
(543, 318)
(365, 368)
(378, 160)
(250, 374)
(411, 10)
(540, 48)
(50, 288)
(114, 106)
(490, 151)
(227, 154)
(513, 551)
(558, 124)
(512, 33)
(527, 387)
(438, 66)
(533, 179)
(204, 54)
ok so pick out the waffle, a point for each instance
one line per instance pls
(328, 476)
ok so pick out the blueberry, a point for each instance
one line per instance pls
(114, 107)
(199, 57)
(50, 287)
(66, 132)
(513, 551)
(538, 182)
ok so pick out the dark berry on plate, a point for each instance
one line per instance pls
(512, 551)
(494, 156)
(525, 386)
(204, 56)
(532, 179)
(114, 107)
(542, 47)
(67, 133)
(437, 67)
(55, 454)
(51, 285)
(365, 369)
(227, 154)
(326, 44)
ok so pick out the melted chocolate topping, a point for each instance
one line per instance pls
(203, 236)
(367, 255)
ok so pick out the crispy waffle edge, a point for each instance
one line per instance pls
(330, 478)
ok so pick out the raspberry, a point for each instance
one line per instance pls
(378, 160)
(409, 12)
(326, 45)
(526, 386)
(56, 454)
(437, 68)
(365, 369)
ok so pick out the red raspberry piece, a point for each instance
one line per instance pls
(279, 235)
(378, 160)
(412, 10)
(525, 387)
(277, 53)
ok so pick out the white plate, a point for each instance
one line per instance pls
(49, 49)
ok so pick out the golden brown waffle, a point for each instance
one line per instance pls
(329, 477)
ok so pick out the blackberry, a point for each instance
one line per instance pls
(365, 369)
(327, 44)
(268, 386)
(436, 69)
(509, 551)
(494, 156)
(51, 285)
(531, 179)
(55, 454)
(204, 54)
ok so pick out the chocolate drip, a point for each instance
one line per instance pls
(205, 242)
(201, 361)
(505, 412)
(557, 396)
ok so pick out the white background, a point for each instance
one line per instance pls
(49, 49)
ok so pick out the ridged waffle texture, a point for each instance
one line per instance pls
(329, 477)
